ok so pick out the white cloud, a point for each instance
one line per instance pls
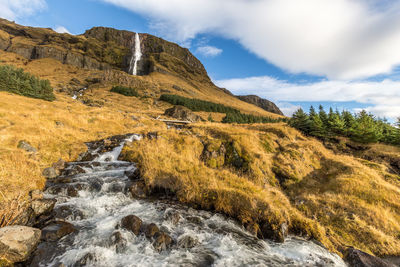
(61, 29)
(209, 51)
(342, 39)
(287, 108)
(383, 98)
(14, 9)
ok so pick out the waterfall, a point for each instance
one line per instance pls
(136, 55)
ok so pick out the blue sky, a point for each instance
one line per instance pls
(339, 53)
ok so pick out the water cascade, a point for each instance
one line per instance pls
(136, 55)
(94, 198)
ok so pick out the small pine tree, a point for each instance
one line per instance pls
(300, 120)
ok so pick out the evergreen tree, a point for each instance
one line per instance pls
(316, 125)
(323, 116)
(365, 129)
(300, 120)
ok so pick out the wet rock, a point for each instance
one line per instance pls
(182, 113)
(131, 223)
(253, 229)
(187, 241)
(42, 206)
(133, 174)
(276, 232)
(162, 241)
(61, 189)
(68, 212)
(26, 146)
(56, 231)
(118, 241)
(151, 230)
(358, 258)
(62, 180)
(173, 216)
(18, 242)
(50, 173)
(86, 260)
(195, 220)
(138, 189)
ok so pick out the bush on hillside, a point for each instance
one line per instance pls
(232, 115)
(197, 104)
(126, 91)
(17, 81)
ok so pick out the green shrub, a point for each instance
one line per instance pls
(232, 115)
(17, 81)
(126, 91)
(197, 104)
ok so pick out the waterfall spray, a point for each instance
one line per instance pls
(136, 55)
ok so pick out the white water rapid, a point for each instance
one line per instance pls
(136, 55)
(101, 200)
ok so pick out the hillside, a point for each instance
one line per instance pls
(269, 177)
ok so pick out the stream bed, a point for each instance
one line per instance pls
(93, 197)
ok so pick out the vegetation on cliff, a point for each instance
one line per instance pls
(232, 115)
(126, 91)
(361, 127)
(17, 81)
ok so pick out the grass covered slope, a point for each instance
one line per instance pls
(272, 173)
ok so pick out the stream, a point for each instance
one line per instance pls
(94, 197)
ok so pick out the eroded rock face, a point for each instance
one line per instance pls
(262, 103)
(182, 113)
(18, 242)
(358, 258)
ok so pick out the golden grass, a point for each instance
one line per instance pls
(332, 198)
(339, 200)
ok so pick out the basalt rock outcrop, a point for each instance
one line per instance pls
(101, 48)
(261, 102)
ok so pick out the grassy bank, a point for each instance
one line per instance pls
(283, 177)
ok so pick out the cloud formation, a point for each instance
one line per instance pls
(209, 51)
(383, 98)
(340, 39)
(13, 9)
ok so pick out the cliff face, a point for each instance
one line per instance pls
(101, 48)
(262, 103)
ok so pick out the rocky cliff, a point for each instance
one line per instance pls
(101, 48)
(262, 103)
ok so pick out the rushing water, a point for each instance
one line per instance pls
(136, 55)
(102, 201)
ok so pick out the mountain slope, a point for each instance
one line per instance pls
(266, 176)
(260, 102)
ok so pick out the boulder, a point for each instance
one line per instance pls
(182, 113)
(131, 223)
(276, 232)
(358, 258)
(26, 146)
(42, 206)
(138, 189)
(151, 230)
(118, 241)
(18, 242)
(133, 174)
(56, 231)
(173, 216)
(187, 241)
(50, 173)
(59, 165)
(162, 241)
